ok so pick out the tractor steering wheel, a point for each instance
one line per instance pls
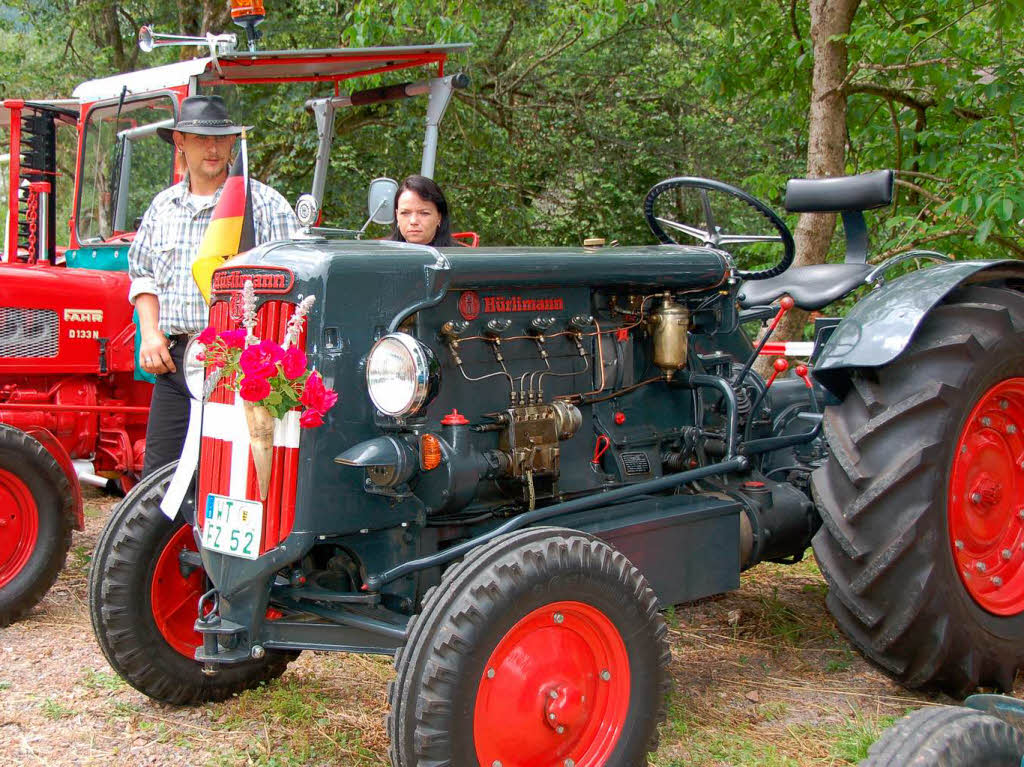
(713, 235)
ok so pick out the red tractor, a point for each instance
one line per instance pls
(73, 403)
(73, 408)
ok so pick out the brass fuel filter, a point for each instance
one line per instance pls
(668, 325)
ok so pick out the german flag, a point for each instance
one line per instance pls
(231, 229)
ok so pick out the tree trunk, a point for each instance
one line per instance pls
(826, 144)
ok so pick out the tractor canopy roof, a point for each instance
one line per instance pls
(245, 67)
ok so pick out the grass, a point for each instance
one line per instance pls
(102, 680)
(53, 709)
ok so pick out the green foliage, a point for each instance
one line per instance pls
(576, 109)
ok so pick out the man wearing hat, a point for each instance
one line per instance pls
(169, 304)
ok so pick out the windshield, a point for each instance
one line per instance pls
(124, 164)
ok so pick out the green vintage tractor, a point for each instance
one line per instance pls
(537, 449)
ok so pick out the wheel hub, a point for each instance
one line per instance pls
(174, 598)
(19, 526)
(555, 690)
(986, 500)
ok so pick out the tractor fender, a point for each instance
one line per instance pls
(61, 456)
(881, 325)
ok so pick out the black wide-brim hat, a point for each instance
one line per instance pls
(204, 115)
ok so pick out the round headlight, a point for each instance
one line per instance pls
(401, 374)
(195, 373)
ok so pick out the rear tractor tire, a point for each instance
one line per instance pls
(36, 520)
(947, 736)
(541, 647)
(143, 606)
(923, 500)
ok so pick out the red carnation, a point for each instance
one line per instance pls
(310, 419)
(234, 339)
(254, 389)
(260, 360)
(316, 396)
(208, 336)
(294, 362)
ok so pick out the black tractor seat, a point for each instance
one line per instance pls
(811, 287)
(816, 286)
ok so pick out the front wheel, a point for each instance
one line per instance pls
(947, 736)
(542, 647)
(923, 500)
(144, 604)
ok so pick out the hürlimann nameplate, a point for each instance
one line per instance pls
(636, 463)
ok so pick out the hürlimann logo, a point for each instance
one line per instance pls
(263, 281)
(500, 304)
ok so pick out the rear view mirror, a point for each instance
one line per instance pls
(380, 201)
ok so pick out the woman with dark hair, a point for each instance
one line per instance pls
(421, 214)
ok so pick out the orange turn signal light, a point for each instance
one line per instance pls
(430, 452)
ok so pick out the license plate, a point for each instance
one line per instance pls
(233, 526)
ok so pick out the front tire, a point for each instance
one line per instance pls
(544, 646)
(947, 736)
(923, 500)
(35, 522)
(143, 606)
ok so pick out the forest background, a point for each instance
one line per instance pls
(576, 108)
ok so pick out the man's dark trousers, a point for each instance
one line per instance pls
(168, 413)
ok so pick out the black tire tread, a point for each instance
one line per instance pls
(426, 652)
(35, 453)
(947, 736)
(878, 551)
(115, 565)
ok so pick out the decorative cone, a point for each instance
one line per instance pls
(261, 436)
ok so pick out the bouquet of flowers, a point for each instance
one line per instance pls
(270, 378)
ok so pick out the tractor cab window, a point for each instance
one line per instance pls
(124, 164)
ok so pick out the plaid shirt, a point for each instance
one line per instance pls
(161, 255)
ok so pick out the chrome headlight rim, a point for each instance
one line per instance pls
(194, 370)
(426, 374)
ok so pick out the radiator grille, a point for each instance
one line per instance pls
(28, 332)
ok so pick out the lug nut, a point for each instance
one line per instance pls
(960, 545)
(258, 651)
(980, 566)
(490, 673)
(1007, 553)
(997, 581)
(559, 617)
(560, 729)
(986, 421)
(1003, 404)
(606, 675)
(553, 694)
(975, 498)
(569, 763)
(551, 717)
(496, 763)
(1011, 429)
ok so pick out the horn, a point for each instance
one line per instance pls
(148, 40)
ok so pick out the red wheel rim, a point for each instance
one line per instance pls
(556, 688)
(986, 500)
(19, 526)
(174, 598)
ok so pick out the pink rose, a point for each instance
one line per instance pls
(316, 396)
(260, 360)
(310, 419)
(254, 389)
(234, 339)
(208, 336)
(294, 362)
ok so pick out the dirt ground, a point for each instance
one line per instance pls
(761, 678)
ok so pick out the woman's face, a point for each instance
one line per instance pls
(418, 219)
